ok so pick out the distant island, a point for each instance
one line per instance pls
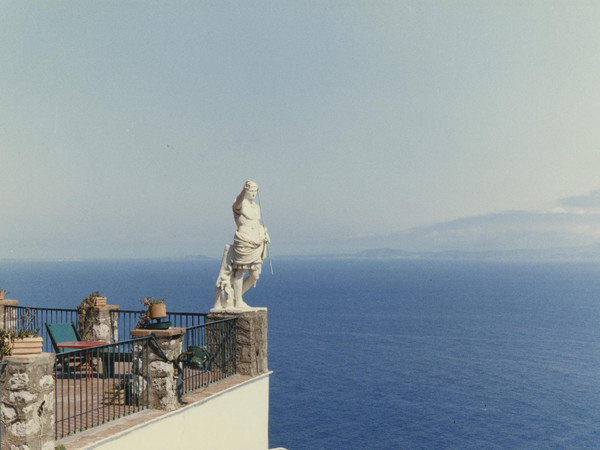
(584, 253)
(158, 258)
(192, 258)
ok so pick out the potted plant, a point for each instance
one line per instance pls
(2, 293)
(26, 341)
(94, 299)
(155, 309)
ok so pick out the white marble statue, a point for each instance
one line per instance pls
(245, 255)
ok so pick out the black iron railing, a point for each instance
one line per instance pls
(219, 338)
(36, 318)
(127, 320)
(99, 384)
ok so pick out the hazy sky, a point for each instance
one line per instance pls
(127, 128)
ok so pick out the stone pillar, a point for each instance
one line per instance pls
(27, 389)
(8, 321)
(162, 373)
(251, 354)
(99, 324)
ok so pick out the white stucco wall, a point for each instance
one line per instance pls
(237, 418)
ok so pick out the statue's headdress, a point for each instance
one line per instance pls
(250, 186)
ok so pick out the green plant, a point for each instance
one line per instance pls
(26, 327)
(60, 447)
(5, 347)
(84, 308)
(88, 301)
(152, 301)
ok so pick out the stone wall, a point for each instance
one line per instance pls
(98, 324)
(28, 402)
(162, 372)
(251, 354)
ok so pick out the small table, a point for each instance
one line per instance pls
(80, 345)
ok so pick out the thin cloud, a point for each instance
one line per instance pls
(582, 203)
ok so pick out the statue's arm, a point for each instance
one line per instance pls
(237, 207)
(237, 204)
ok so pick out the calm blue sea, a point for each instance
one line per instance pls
(392, 354)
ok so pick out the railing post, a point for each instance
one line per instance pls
(163, 390)
(7, 315)
(99, 324)
(27, 388)
(251, 351)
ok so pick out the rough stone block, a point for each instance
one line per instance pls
(46, 382)
(8, 413)
(252, 326)
(99, 324)
(18, 381)
(159, 369)
(27, 402)
(161, 383)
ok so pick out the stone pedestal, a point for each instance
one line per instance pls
(28, 402)
(8, 316)
(99, 324)
(251, 354)
(162, 374)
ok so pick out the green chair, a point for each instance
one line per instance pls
(67, 332)
(64, 332)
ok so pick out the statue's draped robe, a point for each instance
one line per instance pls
(249, 246)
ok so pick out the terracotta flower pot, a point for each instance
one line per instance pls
(100, 301)
(1, 295)
(157, 310)
(27, 346)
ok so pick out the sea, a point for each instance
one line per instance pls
(391, 354)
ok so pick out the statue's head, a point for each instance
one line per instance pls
(251, 186)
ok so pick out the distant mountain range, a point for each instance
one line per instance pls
(570, 230)
(586, 253)
(511, 230)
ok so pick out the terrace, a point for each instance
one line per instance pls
(137, 375)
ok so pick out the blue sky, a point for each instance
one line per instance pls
(128, 128)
